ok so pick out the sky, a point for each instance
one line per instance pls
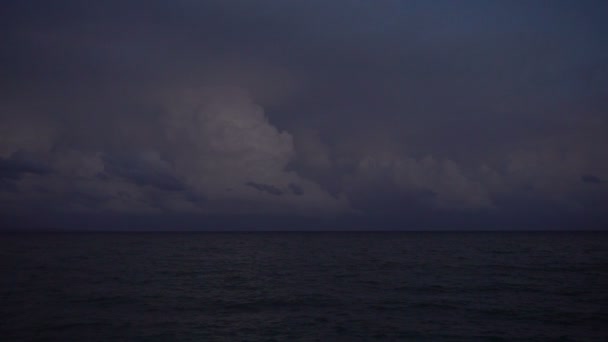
(303, 115)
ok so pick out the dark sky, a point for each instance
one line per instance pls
(345, 114)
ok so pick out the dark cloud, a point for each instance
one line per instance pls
(142, 171)
(8, 186)
(18, 165)
(265, 188)
(420, 111)
(591, 179)
(296, 189)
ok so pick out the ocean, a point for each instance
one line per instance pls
(331, 286)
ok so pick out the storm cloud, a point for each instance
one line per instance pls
(397, 114)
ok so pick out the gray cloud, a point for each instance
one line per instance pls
(591, 179)
(296, 189)
(17, 165)
(221, 139)
(409, 109)
(265, 188)
(146, 169)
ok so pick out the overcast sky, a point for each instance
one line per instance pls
(273, 114)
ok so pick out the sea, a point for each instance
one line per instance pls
(304, 286)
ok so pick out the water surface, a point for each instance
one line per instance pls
(304, 286)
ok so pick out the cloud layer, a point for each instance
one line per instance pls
(396, 113)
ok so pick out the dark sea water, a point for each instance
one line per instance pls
(304, 286)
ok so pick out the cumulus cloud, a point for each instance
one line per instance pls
(438, 183)
(267, 107)
(215, 152)
(225, 147)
